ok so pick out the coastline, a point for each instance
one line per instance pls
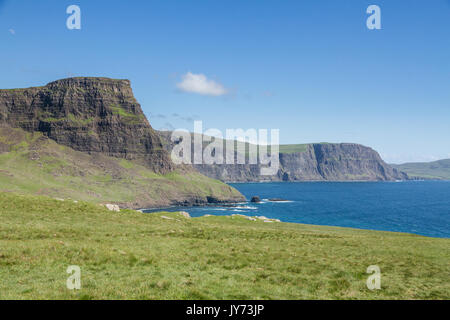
(231, 215)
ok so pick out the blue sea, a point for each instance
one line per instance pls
(420, 207)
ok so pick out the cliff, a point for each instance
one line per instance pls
(88, 139)
(95, 115)
(337, 162)
(308, 162)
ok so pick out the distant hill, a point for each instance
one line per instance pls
(426, 170)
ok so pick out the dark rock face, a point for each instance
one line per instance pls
(319, 162)
(255, 199)
(337, 162)
(95, 115)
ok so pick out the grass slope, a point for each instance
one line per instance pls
(130, 255)
(427, 170)
(33, 164)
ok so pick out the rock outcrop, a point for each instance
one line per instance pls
(255, 199)
(316, 162)
(95, 115)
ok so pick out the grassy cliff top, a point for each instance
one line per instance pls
(74, 80)
(131, 255)
(294, 148)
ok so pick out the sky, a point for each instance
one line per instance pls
(311, 69)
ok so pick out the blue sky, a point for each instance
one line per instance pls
(309, 68)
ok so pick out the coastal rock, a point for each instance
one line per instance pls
(255, 199)
(185, 214)
(112, 207)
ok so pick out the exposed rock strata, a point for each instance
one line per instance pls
(95, 115)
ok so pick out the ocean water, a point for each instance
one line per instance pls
(420, 207)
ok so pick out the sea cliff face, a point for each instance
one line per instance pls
(337, 162)
(315, 162)
(95, 115)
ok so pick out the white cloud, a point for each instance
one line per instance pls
(12, 31)
(199, 83)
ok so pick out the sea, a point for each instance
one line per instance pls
(419, 207)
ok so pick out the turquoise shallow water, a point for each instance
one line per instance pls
(421, 207)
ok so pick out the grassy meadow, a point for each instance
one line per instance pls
(131, 255)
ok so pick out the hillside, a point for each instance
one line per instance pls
(88, 139)
(305, 162)
(439, 170)
(130, 255)
(35, 164)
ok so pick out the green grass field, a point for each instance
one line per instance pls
(131, 255)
